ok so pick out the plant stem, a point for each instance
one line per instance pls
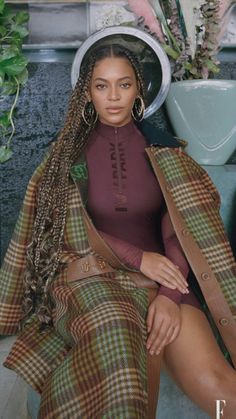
(173, 40)
(11, 112)
(7, 35)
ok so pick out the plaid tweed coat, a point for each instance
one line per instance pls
(193, 204)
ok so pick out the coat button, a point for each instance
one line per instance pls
(224, 322)
(185, 232)
(205, 276)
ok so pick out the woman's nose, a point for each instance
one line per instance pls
(114, 93)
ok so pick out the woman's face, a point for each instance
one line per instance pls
(113, 90)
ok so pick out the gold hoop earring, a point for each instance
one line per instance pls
(138, 109)
(89, 114)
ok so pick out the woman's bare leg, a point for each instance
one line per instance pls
(198, 366)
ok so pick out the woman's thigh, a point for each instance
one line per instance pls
(196, 363)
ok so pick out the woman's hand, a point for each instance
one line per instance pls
(160, 269)
(163, 323)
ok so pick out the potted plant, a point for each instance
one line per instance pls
(13, 72)
(191, 33)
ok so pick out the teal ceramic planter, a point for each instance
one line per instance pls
(203, 112)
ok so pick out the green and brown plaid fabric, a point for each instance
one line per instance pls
(36, 354)
(197, 201)
(104, 375)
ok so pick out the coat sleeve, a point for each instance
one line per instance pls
(12, 271)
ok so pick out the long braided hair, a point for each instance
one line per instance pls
(43, 252)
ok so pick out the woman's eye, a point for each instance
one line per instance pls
(100, 86)
(125, 85)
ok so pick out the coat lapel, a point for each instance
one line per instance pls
(157, 137)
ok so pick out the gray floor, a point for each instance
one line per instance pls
(12, 388)
(13, 394)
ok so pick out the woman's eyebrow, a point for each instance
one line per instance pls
(105, 80)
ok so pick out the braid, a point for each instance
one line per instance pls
(43, 253)
(44, 250)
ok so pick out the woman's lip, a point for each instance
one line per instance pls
(113, 110)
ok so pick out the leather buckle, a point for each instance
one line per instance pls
(85, 267)
(101, 263)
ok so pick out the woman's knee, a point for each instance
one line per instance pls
(216, 380)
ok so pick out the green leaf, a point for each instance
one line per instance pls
(2, 77)
(187, 66)
(9, 52)
(21, 17)
(194, 71)
(6, 15)
(20, 30)
(212, 66)
(8, 88)
(170, 51)
(1, 5)
(3, 30)
(16, 41)
(5, 153)
(5, 120)
(14, 65)
(23, 77)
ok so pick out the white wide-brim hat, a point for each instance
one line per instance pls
(154, 61)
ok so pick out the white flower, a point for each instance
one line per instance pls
(112, 15)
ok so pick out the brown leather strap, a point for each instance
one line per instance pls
(207, 280)
(87, 266)
(153, 373)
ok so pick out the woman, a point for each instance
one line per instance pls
(91, 362)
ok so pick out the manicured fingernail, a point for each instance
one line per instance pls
(151, 352)
(157, 352)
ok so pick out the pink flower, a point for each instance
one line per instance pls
(224, 7)
(143, 8)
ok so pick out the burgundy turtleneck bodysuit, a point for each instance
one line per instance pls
(126, 203)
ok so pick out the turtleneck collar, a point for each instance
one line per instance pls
(108, 131)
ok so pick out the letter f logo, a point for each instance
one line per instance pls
(219, 408)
